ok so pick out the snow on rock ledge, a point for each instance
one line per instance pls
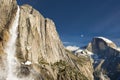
(72, 48)
(105, 39)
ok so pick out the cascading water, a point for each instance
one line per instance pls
(11, 48)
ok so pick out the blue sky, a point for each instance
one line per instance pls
(78, 21)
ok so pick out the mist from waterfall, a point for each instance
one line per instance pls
(11, 48)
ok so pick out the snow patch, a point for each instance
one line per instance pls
(105, 39)
(72, 48)
(83, 52)
(89, 53)
(118, 48)
(28, 63)
(79, 51)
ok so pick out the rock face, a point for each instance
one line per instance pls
(83, 63)
(37, 38)
(40, 55)
(101, 46)
(7, 9)
(39, 43)
(108, 58)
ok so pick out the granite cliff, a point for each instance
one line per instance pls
(30, 48)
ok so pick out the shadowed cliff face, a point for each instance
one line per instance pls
(107, 63)
(101, 47)
(39, 53)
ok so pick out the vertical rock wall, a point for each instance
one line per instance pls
(38, 38)
(39, 51)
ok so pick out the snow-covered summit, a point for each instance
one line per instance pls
(105, 39)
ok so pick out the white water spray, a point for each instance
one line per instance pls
(11, 48)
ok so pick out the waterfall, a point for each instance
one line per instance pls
(11, 48)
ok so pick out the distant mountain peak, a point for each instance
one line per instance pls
(108, 58)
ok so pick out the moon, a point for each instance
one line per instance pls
(81, 35)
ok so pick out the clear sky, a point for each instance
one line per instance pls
(78, 21)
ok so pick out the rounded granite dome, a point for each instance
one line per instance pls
(100, 44)
(107, 41)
